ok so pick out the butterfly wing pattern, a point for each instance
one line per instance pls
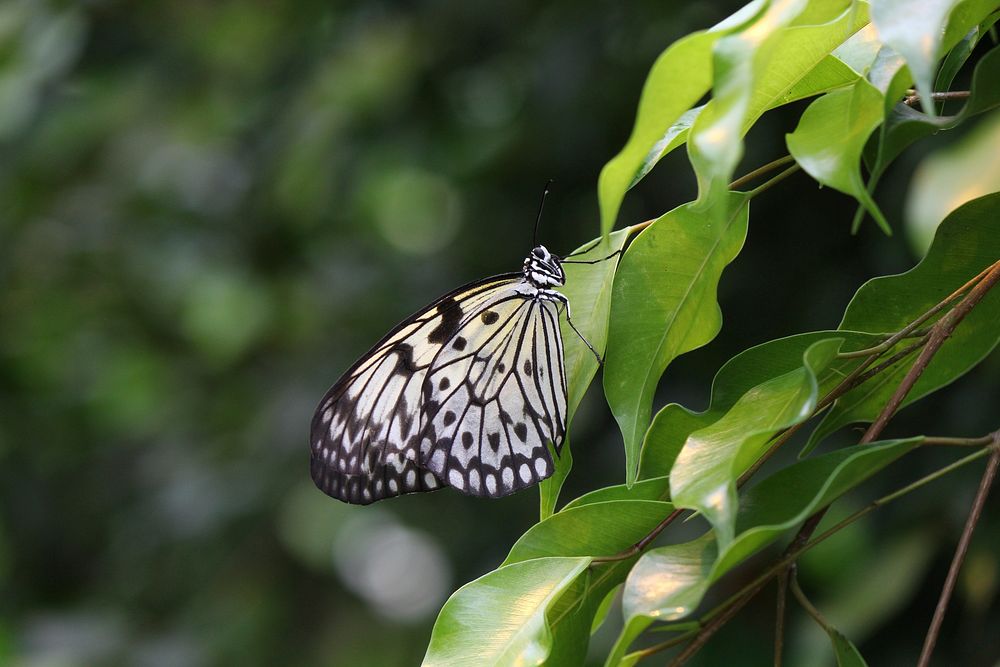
(465, 393)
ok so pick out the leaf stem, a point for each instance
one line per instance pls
(913, 97)
(807, 605)
(774, 180)
(963, 546)
(760, 171)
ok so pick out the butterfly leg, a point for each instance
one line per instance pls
(552, 295)
(591, 261)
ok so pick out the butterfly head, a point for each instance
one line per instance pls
(543, 269)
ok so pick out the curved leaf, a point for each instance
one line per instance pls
(713, 458)
(674, 423)
(916, 30)
(715, 143)
(669, 582)
(500, 618)
(657, 488)
(677, 80)
(663, 304)
(966, 242)
(588, 288)
(598, 529)
(831, 136)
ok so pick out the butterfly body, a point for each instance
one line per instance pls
(465, 393)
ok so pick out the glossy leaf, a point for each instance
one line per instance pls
(678, 79)
(715, 143)
(596, 529)
(707, 468)
(905, 125)
(674, 423)
(663, 304)
(588, 288)
(500, 618)
(800, 52)
(669, 582)
(830, 138)
(657, 488)
(966, 242)
(915, 30)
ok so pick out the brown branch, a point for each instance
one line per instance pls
(963, 546)
(779, 617)
(760, 171)
(913, 97)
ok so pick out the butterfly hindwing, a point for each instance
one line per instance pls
(365, 433)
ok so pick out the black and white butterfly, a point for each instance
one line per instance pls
(465, 393)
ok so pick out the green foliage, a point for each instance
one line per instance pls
(662, 303)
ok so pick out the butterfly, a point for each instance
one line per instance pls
(465, 393)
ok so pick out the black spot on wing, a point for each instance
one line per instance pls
(404, 352)
(489, 317)
(459, 344)
(451, 319)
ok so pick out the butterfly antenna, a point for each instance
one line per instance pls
(538, 218)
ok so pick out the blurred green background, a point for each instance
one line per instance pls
(209, 210)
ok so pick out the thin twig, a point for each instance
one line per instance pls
(963, 546)
(760, 171)
(774, 180)
(807, 605)
(913, 97)
(779, 617)
(940, 332)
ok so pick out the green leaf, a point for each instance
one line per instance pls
(799, 53)
(951, 177)
(670, 582)
(831, 135)
(657, 488)
(500, 618)
(847, 654)
(588, 288)
(597, 529)
(705, 473)
(966, 242)
(663, 304)
(674, 423)
(739, 60)
(916, 30)
(678, 79)
(905, 125)
(915, 33)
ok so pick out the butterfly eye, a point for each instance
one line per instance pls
(539, 253)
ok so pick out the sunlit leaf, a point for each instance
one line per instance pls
(831, 135)
(657, 488)
(915, 30)
(678, 79)
(715, 145)
(674, 423)
(663, 304)
(669, 582)
(707, 468)
(500, 618)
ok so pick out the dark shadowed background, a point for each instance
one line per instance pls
(209, 210)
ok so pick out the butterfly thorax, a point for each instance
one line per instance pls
(543, 269)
